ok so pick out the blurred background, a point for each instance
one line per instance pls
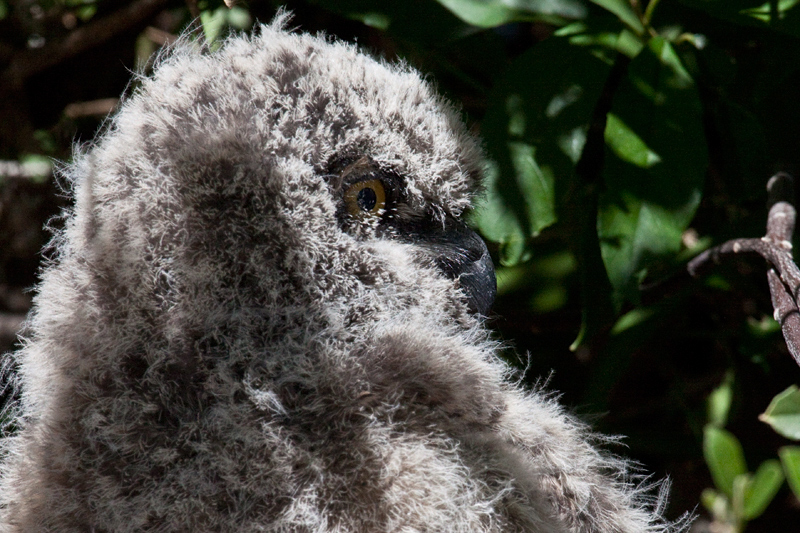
(622, 138)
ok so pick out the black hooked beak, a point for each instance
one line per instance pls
(462, 255)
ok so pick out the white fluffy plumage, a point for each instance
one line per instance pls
(218, 347)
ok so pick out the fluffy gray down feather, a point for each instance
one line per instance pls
(213, 350)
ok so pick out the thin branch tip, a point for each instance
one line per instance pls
(776, 248)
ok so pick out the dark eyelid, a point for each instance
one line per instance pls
(347, 171)
(390, 182)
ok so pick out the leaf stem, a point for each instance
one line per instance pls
(648, 12)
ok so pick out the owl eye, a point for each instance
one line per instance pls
(366, 198)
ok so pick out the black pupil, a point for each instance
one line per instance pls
(367, 199)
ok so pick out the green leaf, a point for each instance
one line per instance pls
(604, 36)
(740, 484)
(46, 140)
(541, 280)
(496, 221)
(373, 19)
(719, 402)
(710, 499)
(780, 15)
(717, 504)
(622, 9)
(762, 488)
(37, 167)
(632, 319)
(534, 129)
(654, 168)
(534, 274)
(762, 327)
(535, 183)
(783, 413)
(85, 12)
(144, 50)
(426, 24)
(239, 18)
(481, 14)
(766, 11)
(627, 145)
(790, 458)
(213, 23)
(724, 457)
(634, 233)
(493, 13)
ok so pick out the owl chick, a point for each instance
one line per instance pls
(265, 315)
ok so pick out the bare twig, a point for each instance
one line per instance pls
(159, 37)
(774, 252)
(780, 227)
(590, 164)
(595, 291)
(786, 313)
(30, 169)
(10, 324)
(18, 65)
(194, 10)
(100, 107)
(26, 63)
(776, 248)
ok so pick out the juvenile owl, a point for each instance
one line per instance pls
(265, 315)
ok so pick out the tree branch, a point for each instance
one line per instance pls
(776, 248)
(26, 63)
(590, 165)
(10, 324)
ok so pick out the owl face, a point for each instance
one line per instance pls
(289, 169)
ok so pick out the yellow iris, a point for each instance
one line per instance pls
(365, 198)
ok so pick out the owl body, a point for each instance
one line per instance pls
(254, 322)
